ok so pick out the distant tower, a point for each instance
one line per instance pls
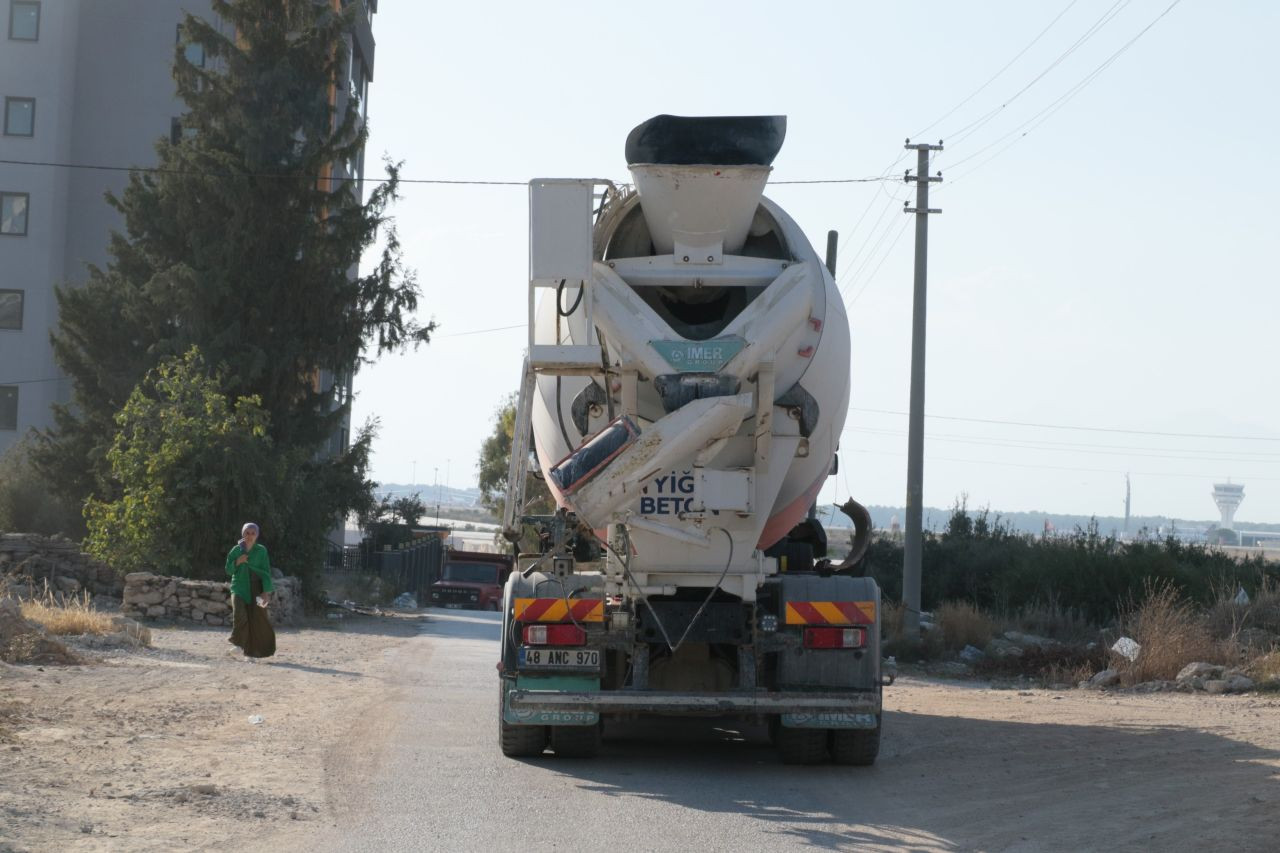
(1228, 496)
(1126, 504)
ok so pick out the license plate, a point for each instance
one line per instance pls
(454, 606)
(565, 658)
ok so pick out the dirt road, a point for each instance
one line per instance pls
(378, 740)
(963, 767)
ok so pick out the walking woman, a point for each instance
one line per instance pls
(251, 587)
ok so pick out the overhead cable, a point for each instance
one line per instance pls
(160, 170)
(993, 77)
(1073, 427)
(972, 127)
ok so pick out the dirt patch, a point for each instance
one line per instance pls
(23, 642)
(183, 745)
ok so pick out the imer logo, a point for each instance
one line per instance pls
(668, 494)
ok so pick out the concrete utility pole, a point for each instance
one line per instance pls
(915, 427)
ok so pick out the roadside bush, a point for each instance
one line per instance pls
(1050, 619)
(962, 625)
(982, 560)
(1056, 665)
(1171, 633)
(27, 505)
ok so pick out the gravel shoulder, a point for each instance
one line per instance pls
(154, 749)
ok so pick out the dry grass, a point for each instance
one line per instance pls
(66, 614)
(1052, 620)
(1265, 671)
(1056, 665)
(1227, 619)
(962, 624)
(1171, 633)
(891, 620)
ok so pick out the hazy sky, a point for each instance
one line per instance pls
(1112, 269)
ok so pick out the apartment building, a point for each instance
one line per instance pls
(87, 83)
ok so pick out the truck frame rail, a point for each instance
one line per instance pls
(731, 702)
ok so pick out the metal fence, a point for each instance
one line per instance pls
(409, 566)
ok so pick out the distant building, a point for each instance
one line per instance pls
(88, 82)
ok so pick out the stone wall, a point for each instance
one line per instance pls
(156, 597)
(27, 561)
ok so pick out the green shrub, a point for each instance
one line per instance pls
(27, 505)
(983, 561)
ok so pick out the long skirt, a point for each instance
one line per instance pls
(250, 628)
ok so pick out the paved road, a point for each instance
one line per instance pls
(961, 767)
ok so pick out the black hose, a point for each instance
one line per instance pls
(576, 302)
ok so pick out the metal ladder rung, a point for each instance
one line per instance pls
(552, 358)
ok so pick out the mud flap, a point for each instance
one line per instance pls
(829, 721)
(522, 717)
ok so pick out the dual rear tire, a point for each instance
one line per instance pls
(849, 747)
(531, 741)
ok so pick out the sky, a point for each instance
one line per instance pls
(1102, 293)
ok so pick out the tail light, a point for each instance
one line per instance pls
(554, 635)
(834, 638)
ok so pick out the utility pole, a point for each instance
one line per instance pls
(915, 422)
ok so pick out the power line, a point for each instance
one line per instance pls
(1072, 446)
(877, 179)
(1045, 114)
(36, 381)
(993, 77)
(482, 331)
(888, 206)
(1071, 468)
(1195, 456)
(159, 170)
(883, 258)
(971, 128)
(1081, 428)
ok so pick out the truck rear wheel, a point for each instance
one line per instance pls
(801, 746)
(856, 747)
(575, 741)
(519, 741)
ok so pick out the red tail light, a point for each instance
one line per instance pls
(834, 638)
(554, 635)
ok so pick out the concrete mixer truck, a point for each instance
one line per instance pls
(685, 385)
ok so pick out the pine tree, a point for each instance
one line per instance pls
(240, 244)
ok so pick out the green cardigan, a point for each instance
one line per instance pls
(258, 563)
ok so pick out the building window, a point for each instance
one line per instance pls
(11, 310)
(13, 213)
(24, 20)
(8, 407)
(177, 132)
(194, 51)
(19, 116)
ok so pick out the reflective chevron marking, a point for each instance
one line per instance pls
(557, 610)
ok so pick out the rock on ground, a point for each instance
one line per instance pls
(1106, 678)
(1200, 670)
